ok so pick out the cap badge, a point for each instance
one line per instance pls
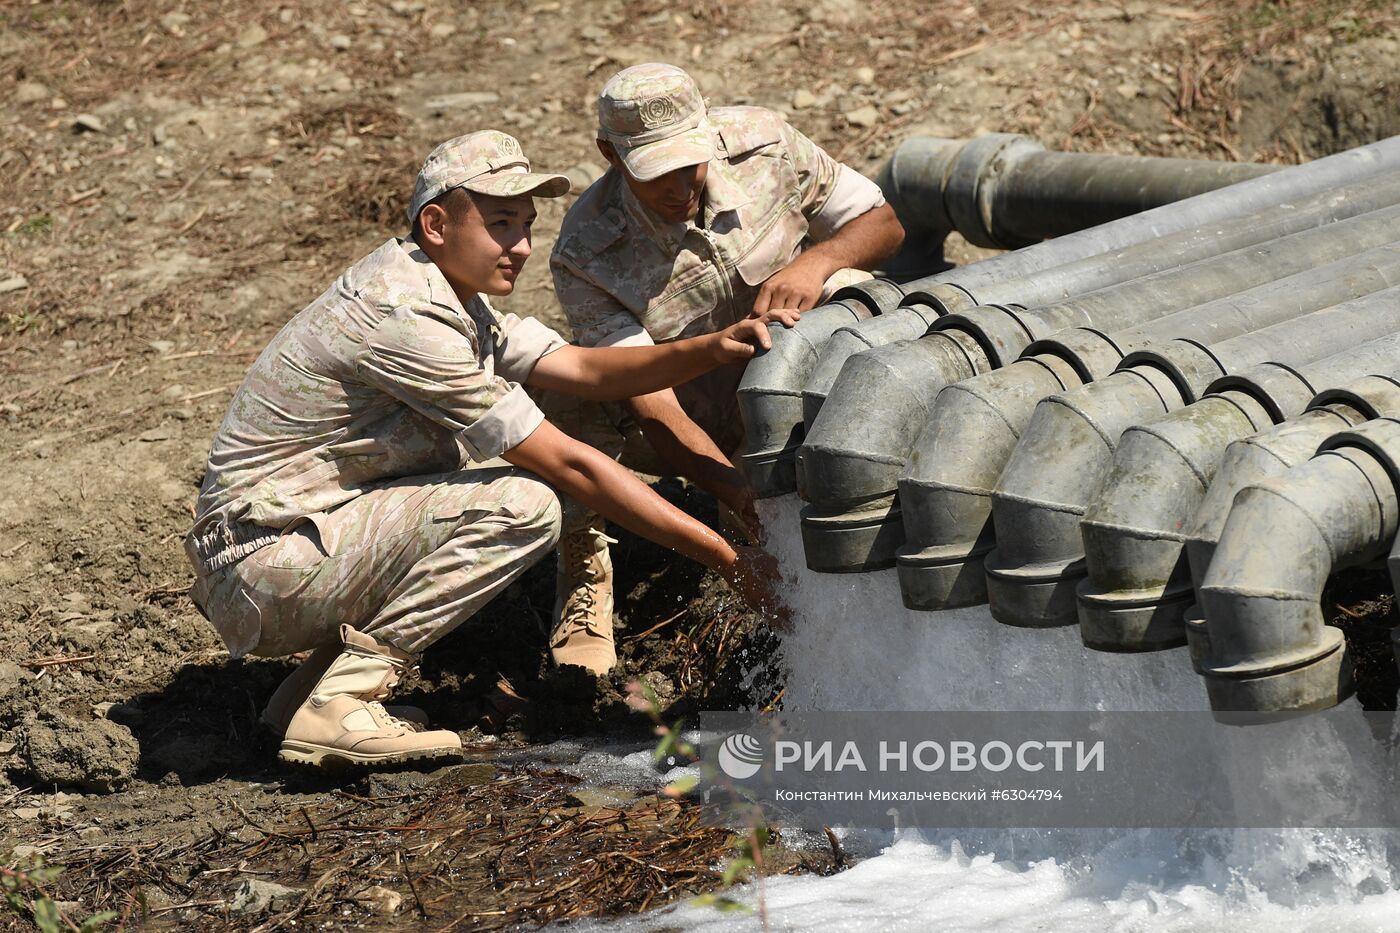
(657, 112)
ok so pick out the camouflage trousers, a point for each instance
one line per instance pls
(406, 562)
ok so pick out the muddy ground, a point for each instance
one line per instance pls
(178, 177)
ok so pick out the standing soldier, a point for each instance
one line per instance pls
(706, 217)
(337, 513)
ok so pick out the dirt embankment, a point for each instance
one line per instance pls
(177, 178)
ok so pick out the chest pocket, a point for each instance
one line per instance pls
(773, 237)
(686, 306)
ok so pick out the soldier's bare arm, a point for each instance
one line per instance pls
(605, 486)
(863, 243)
(615, 373)
(692, 453)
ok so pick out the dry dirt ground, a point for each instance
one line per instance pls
(178, 177)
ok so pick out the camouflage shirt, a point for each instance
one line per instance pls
(621, 273)
(385, 375)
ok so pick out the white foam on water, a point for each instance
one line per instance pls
(854, 646)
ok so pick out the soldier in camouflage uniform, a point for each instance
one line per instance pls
(705, 217)
(338, 513)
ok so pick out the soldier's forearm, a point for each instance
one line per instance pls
(609, 374)
(863, 243)
(688, 449)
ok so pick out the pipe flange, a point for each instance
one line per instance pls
(1133, 620)
(976, 166)
(1319, 684)
(1033, 595)
(998, 331)
(1374, 396)
(852, 542)
(942, 298)
(875, 295)
(1280, 390)
(1379, 438)
(946, 576)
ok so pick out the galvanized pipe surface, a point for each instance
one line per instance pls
(855, 452)
(1273, 452)
(770, 405)
(945, 501)
(1060, 460)
(1087, 280)
(1286, 186)
(1267, 647)
(1138, 584)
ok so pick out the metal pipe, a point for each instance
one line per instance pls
(1102, 255)
(1272, 453)
(1288, 186)
(1267, 647)
(1004, 191)
(1169, 272)
(1138, 585)
(1069, 444)
(772, 409)
(859, 461)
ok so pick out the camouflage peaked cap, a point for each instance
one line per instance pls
(654, 116)
(487, 162)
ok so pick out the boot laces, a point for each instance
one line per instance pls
(580, 550)
(374, 699)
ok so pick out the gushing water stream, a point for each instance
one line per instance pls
(854, 647)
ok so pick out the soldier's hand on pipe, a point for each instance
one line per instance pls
(798, 287)
(754, 576)
(743, 340)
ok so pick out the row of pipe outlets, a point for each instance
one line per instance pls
(1166, 430)
(771, 394)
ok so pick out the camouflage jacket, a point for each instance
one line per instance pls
(384, 375)
(619, 271)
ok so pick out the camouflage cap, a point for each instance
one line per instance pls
(654, 116)
(487, 162)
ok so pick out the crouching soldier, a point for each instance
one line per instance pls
(336, 515)
(706, 216)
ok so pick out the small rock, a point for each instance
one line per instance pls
(255, 896)
(253, 35)
(23, 852)
(863, 117)
(1128, 90)
(163, 347)
(381, 900)
(340, 42)
(98, 756)
(803, 99)
(27, 813)
(31, 92)
(161, 433)
(865, 75)
(87, 123)
(14, 283)
(441, 30)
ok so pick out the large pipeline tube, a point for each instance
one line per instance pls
(847, 459)
(1266, 646)
(1138, 584)
(854, 454)
(1004, 191)
(1069, 444)
(1286, 186)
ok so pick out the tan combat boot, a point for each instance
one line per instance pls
(293, 691)
(343, 722)
(583, 601)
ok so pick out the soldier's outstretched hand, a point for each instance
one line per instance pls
(743, 340)
(799, 287)
(754, 576)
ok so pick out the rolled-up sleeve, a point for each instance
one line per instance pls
(433, 368)
(524, 342)
(832, 194)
